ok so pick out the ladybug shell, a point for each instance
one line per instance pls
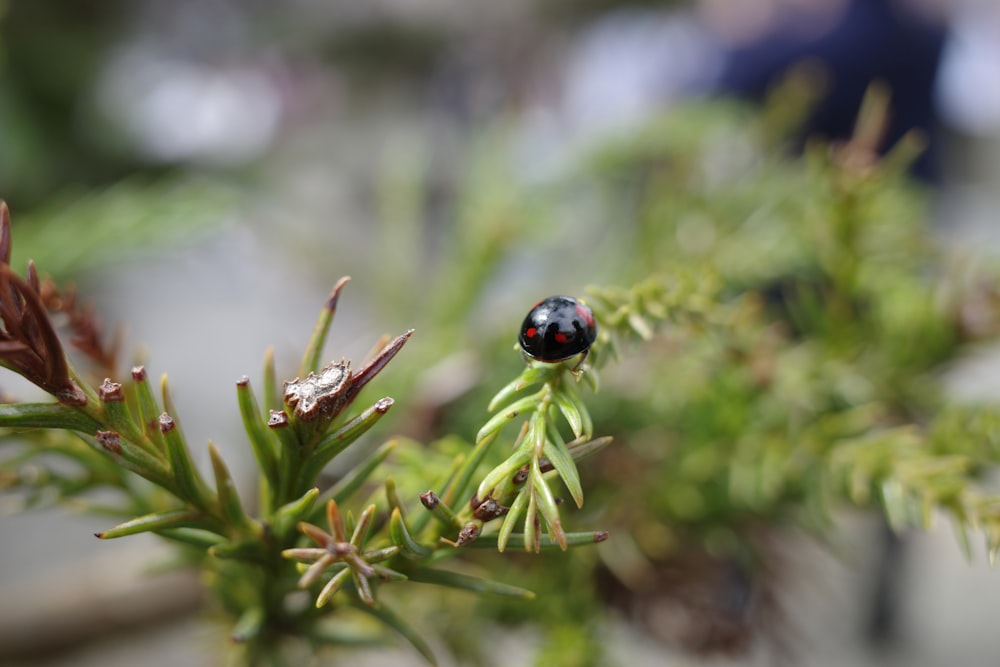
(557, 328)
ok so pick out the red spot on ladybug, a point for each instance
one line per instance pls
(557, 328)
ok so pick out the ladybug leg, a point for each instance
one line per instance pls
(577, 370)
(524, 355)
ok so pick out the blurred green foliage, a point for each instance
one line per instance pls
(797, 372)
(772, 329)
(71, 234)
(50, 54)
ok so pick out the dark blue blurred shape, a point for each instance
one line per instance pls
(874, 40)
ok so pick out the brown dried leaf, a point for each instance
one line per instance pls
(28, 343)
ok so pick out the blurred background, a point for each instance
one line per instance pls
(204, 170)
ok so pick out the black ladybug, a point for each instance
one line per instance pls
(556, 329)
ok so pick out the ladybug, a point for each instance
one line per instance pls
(556, 329)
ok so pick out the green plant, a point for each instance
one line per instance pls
(121, 434)
(812, 380)
(768, 359)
